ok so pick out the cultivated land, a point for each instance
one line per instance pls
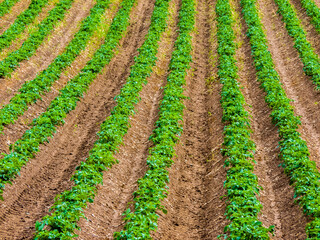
(160, 119)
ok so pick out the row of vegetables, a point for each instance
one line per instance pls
(6, 5)
(31, 91)
(45, 125)
(152, 188)
(241, 184)
(19, 25)
(313, 12)
(29, 47)
(293, 149)
(69, 205)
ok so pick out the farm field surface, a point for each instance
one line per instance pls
(160, 119)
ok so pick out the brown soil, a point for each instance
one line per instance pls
(13, 132)
(195, 210)
(277, 195)
(32, 193)
(47, 52)
(105, 214)
(11, 16)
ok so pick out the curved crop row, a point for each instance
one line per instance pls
(242, 186)
(20, 23)
(29, 47)
(309, 58)
(31, 91)
(68, 207)
(153, 186)
(6, 5)
(45, 125)
(313, 12)
(293, 150)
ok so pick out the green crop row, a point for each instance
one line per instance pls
(313, 12)
(31, 91)
(6, 5)
(293, 150)
(45, 125)
(68, 207)
(20, 23)
(309, 58)
(152, 188)
(241, 184)
(29, 47)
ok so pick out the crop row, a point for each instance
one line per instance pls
(32, 90)
(293, 150)
(45, 125)
(309, 58)
(6, 5)
(69, 205)
(20, 23)
(29, 47)
(241, 184)
(152, 188)
(313, 12)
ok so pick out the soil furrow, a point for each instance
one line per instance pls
(277, 194)
(15, 131)
(11, 16)
(105, 214)
(48, 51)
(297, 85)
(32, 193)
(195, 210)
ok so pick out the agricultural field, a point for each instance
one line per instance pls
(160, 119)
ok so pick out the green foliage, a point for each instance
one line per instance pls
(242, 186)
(31, 91)
(313, 12)
(29, 47)
(153, 186)
(293, 150)
(309, 58)
(20, 24)
(6, 5)
(45, 125)
(68, 207)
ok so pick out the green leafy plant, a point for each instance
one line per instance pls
(32, 90)
(69, 205)
(293, 149)
(309, 58)
(313, 12)
(20, 23)
(6, 5)
(29, 47)
(152, 188)
(241, 184)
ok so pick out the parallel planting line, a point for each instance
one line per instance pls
(29, 47)
(309, 58)
(69, 205)
(242, 186)
(31, 91)
(21, 22)
(45, 125)
(293, 150)
(313, 12)
(153, 186)
(6, 5)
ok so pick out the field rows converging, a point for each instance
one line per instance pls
(160, 119)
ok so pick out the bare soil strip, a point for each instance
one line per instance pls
(47, 52)
(277, 194)
(297, 85)
(105, 214)
(11, 16)
(32, 193)
(195, 210)
(15, 131)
